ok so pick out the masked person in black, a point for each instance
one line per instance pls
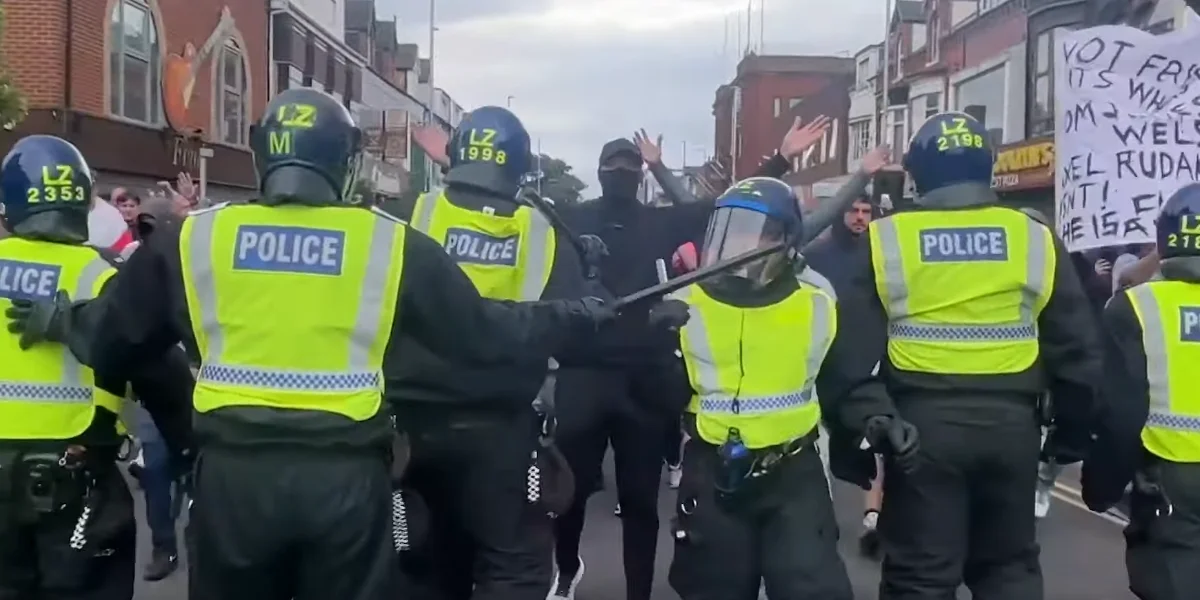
(67, 528)
(474, 428)
(295, 303)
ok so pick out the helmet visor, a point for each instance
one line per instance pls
(737, 227)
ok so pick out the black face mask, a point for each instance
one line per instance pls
(620, 184)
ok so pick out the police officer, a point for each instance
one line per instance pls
(981, 310)
(473, 428)
(754, 503)
(1150, 434)
(293, 303)
(67, 528)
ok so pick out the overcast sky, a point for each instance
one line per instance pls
(582, 72)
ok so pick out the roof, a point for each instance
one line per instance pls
(406, 56)
(833, 65)
(910, 11)
(385, 35)
(867, 50)
(359, 14)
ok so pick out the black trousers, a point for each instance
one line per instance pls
(283, 524)
(486, 541)
(598, 408)
(779, 530)
(1162, 554)
(964, 515)
(38, 563)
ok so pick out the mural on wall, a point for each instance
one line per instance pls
(179, 77)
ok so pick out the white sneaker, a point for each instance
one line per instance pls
(565, 590)
(674, 475)
(1041, 500)
(617, 509)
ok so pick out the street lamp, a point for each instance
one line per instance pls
(508, 101)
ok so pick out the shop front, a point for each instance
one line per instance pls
(1024, 174)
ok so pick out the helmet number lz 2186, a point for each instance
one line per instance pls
(57, 187)
(481, 146)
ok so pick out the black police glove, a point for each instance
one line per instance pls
(669, 314)
(896, 438)
(590, 310)
(594, 251)
(1066, 446)
(41, 321)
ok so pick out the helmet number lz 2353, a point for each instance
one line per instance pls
(58, 185)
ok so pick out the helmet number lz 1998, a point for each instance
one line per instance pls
(482, 147)
(57, 187)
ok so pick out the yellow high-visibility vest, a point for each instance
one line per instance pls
(45, 392)
(507, 258)
(292, 307)
(754, 369)
(1169, 313)
(963, 289)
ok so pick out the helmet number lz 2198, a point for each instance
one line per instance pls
(481, 146)
(963, 140)
(57, 187)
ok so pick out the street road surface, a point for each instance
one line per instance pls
(1082, 553)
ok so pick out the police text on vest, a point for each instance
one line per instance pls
(289, 249)
(1189, 323)
(476, 247)
(964, 244)
(28, 281)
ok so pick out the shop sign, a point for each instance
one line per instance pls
(1024, 165)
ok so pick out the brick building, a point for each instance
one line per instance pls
(142, 86)
(750, 111)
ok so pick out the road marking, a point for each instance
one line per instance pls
(1074, 497)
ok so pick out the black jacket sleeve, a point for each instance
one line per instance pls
(441, 309)
(830, 211)
(163, 383)
(1117, 451)
(1071, 356)
(137, 318)
(671, 185)
(777, 166)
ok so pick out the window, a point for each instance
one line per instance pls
(933, 104)
(935, 30)
(295, 77)
(1041, 111)
(899, 56)
(862, 73)
(860, 139)
(987, 5)
(985, 92)
(134, 63)
(230, 104)
(778, 107)
(794, 102)
(899, 140)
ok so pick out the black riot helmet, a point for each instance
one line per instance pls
(754, 213)
(46, 190)
(489, 150)
(307, 149)
(1178, 224)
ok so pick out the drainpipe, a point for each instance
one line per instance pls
(68, 68)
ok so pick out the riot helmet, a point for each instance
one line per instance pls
(1178, 224)
(489, 150)
(307, 149)
(754, 213)
(46, 190)
(950, 148)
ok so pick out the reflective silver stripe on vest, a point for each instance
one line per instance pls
(535, 247)
(359, 374)
(713, 401)
(1157, 368)
(70, 389)
(1024, 329)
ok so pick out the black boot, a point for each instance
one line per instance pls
(162, 564)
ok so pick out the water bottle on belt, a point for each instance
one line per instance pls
(736, 462)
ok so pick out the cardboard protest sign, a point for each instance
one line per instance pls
(1127, 131)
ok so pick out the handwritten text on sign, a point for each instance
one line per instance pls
(1127, 132)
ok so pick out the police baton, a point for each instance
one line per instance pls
(717, 268)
